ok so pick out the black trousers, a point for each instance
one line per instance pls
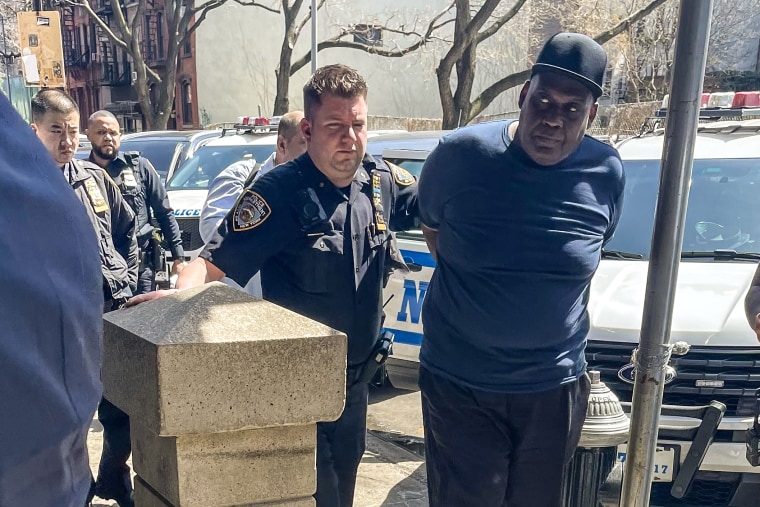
(340, 446)
(145, 281)
(113, 471)
(496, 449)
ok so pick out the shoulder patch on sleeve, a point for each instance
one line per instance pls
(401, 175)
(251, 211)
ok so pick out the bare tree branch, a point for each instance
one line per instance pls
(306, 18)
(511, 13)
(336, 41)
(98, 21)
(626, 23)
(488, 95)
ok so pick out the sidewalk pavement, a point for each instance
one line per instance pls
(389, 475)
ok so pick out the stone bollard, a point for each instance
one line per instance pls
(224, 392)
(606, 427)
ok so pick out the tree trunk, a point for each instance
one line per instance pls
(282, 72)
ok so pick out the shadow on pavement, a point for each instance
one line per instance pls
(384, 393)
(411, 492)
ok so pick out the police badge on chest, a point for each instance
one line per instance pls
(251, 211)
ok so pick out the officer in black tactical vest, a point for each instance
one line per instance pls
(55, 120)
(319, 229)
(143, 191)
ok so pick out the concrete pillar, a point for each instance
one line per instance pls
(224, 392)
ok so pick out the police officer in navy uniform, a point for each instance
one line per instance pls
(142, 188)
(51, 323)
(318, 229)
(55, 118)
(143, 191)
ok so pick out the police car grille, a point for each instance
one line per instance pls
(739, 370)
(702, 493)
(191, 237)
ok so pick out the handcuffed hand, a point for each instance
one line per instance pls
(150, 296)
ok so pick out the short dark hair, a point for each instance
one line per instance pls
(339, 80)
(51, 100)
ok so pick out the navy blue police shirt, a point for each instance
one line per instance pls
(321, 250)
(518, 244)
(51, 322)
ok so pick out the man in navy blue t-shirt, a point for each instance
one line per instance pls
(516, 214)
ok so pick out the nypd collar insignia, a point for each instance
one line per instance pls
(402, 176)
(99, 203)
(251, 211)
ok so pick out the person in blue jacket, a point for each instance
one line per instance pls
(516, 214)
(51, 321)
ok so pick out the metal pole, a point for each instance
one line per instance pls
(6, 57)
(667, 238)
(313, 36)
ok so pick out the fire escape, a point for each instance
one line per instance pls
(116, 71)
(67, 27)
(152, 41)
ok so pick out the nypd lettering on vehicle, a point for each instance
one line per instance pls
(187, 212)
(405, 297)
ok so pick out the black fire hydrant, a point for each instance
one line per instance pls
(606, 427)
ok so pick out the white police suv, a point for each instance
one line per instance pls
(188, 187)
(721, 248)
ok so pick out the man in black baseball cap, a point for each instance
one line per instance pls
(502, 369)
(559, 101)
(574, 55)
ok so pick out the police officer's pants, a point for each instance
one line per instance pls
(113, 472)
(499, 449)
(340, 446)
(145, 281)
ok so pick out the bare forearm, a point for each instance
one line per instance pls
(197, 273)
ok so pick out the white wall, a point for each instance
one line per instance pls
(237, 50)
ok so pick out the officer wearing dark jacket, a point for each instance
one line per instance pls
(55, 118)
(142, 188)
(318, 229)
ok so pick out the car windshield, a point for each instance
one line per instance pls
(200, 170)
(722, 212)
(159, 152)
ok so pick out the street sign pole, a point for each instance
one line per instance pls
(313, 36)
(653, 352)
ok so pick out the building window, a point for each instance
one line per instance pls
(368, 35)
(187, 48)
(187, 103)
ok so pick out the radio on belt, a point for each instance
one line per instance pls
(379, 355)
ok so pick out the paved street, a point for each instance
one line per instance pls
(390, 475)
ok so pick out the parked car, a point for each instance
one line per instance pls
(167, 149)
(721, 248)
(188, 187)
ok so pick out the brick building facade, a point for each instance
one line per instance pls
(100, 75)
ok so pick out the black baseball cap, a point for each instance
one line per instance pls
(574, 55)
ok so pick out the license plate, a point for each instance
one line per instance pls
(664, 462)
